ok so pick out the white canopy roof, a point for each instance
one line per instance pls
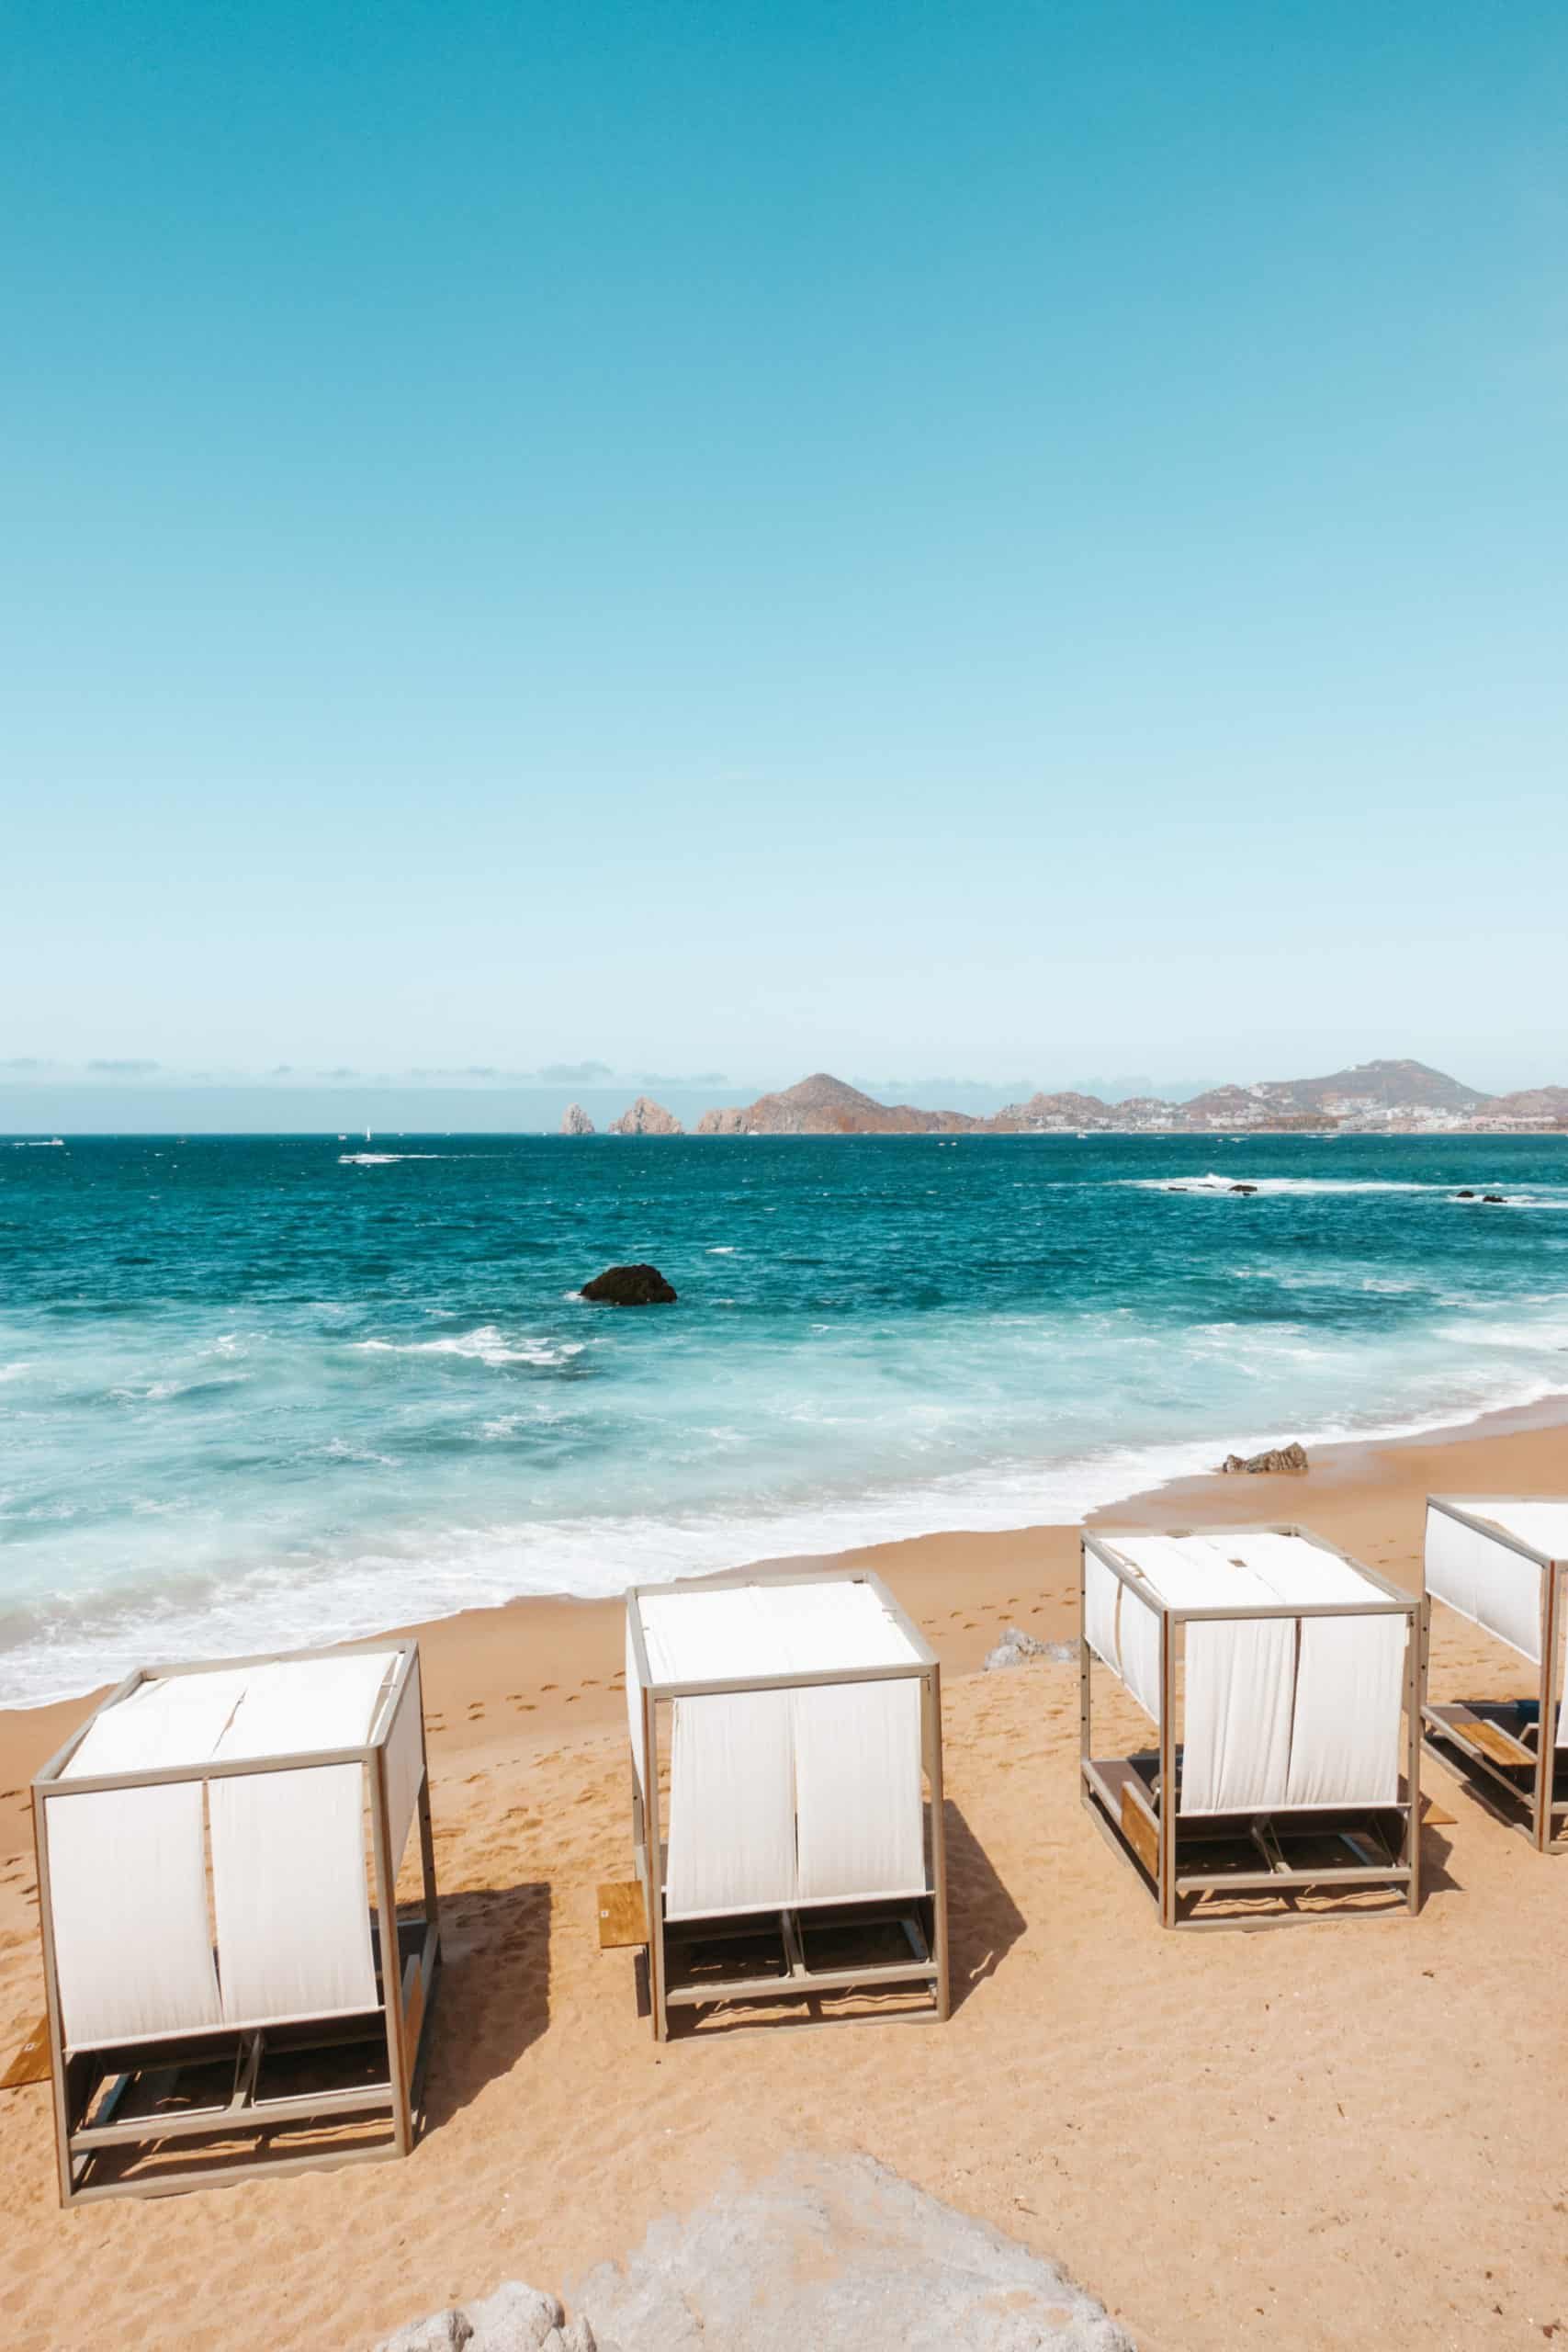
(221, 1714)
(1542, 1525)
(739, 1632)
(1254, 1569)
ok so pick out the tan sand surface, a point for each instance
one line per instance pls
(1346, 2132)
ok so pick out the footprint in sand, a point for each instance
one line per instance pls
(590, 1682)
(549, 1686)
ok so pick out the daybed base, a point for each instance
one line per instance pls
(1343, 1849)
(1501, 1739)
(796, 1955)
(144, 2104)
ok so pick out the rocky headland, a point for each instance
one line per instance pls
(647, 1117)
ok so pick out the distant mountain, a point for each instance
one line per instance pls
(1534, 1106)
(1397, 1095)
(1044, 1111)
(822, 1105)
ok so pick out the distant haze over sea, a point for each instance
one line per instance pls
(117, 1097)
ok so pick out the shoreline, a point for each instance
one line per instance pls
(541, 1667)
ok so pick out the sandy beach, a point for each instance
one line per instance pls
(1344, 2134)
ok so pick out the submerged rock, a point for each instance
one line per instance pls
(1244, 1188)
(1290, 1457)
(629, 1286)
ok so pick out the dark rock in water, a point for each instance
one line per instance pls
(1244, 1188)
(1491, 1200)
(1278, 1457)
(1464, 1197)
(629, 1286)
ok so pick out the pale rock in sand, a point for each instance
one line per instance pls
(514, 2319)
(1013, 1648)
(443, 2332)
(839, 2254)
(831, 2254)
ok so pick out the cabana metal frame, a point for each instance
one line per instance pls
(681, 1970)
(1348, 1849)
(126, 2095)
(1492, 1736)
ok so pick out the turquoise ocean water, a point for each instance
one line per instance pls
(284, 1389)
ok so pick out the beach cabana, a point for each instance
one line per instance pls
(209, 1843)
(1501, 1562)
(1283, 1680)
(796, 1852)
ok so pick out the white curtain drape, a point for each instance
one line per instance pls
(1494, 1585)
(405, 1762)
(128, 1904)
(128, 1869)
(288, 1849)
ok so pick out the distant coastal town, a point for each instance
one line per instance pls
(1374, 1098)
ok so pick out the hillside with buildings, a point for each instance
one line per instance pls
(1376, 1097)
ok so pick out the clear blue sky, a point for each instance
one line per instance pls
(1014, 540)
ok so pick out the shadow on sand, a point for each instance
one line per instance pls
(494, 1999)
(984, 1922)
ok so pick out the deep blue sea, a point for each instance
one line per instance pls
(284, 1389)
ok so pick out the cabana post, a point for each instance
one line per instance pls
(212, 1970)
(1501, 1562)
(796, 1853)
(1277, 1671)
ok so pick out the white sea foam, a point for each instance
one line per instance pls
(485, 1345)
(1284, 1185)
(386, 1159)
(404, 1577)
